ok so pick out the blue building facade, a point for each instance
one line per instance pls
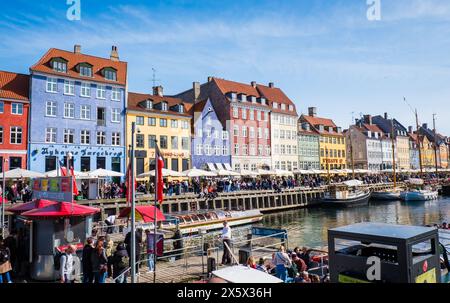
(210, 139)
(77, 106)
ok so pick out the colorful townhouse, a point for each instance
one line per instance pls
(245, 113)
(364, 139)
(14, 108)
(308, 147)
(210, 138)
(439, 143)
(332, 141)
(77, 106)
(400, 133)
(162, 119)
(283, 122)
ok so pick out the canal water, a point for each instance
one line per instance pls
(308, 227)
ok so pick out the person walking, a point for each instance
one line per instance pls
(5, 264)
(99, 262)
(150, 240)
(226, 238)
(88, 275)
(67, 265)
(120, 262)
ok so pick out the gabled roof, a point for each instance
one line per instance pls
(73, 59)
(274, 94)
(386, 125)
(316, 121)
(227, 86)
(14, 86)
(134, 99)
(430, 135)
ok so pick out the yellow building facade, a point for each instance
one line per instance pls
(164, 120)
(427, 150)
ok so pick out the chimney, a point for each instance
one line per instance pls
(210, 79)
(77, 49)
(425, 125)
(114, 54)
(271, 85)
(253, 83)
(158, 91)
(410, 129)
(385, 116)
(312, 111)
(368, 119)
(196, 89)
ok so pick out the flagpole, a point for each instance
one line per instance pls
(154, 210)
(133, 208)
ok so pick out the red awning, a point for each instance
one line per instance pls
(38, 203)
(61, 209)
(144, 213)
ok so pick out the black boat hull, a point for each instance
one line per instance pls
(359, 201)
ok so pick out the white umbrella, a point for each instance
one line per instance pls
(265, 172)
(281, 172)
(78, 174)
(195, 172)
(166, 173)
(102, 173)
(18, 173)
(223, 172)
(247, 173)
(302, 172)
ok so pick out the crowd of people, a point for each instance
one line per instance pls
(17, 191)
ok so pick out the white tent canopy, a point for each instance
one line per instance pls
(247, 173)
(195, 172)
(226, 173)
(281, 172)
(265, 172)
(78, 174)
(18, 173)
(165, 172)
(103, 173)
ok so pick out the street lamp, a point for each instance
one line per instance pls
(3, 196)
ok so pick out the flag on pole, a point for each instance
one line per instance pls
(159, 183)
(71, 174)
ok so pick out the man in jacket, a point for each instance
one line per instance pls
(67, 265)
(88, 275)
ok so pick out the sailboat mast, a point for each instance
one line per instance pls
(418, 144)
(351, 153)
(393, 152)
(435, 146)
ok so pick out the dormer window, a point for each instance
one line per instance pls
(148, 104)
(59, 65)
(243, 97)
(275, 105)
(181, 108)
(164, 106)
(253, 98)
(263, 101)
(85, 69)
(291, 108)
(283, 106)
(110, 74)
(233, 96)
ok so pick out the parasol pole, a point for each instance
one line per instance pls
(133, 208)
(3, 196)
(154, 212)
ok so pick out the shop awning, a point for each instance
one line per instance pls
(61, 209)
(144, 213)
(36, 204)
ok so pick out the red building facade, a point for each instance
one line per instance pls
(14, 108)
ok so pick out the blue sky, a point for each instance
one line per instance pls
(322, 53)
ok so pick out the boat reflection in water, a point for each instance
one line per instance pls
(346, 194)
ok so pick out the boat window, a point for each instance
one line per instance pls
(201, 217)
(187, 219)
(214, 216)
(195, 218)
(208, 216)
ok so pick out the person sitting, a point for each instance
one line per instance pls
(301, 266)
(261, 265)
(251, 262)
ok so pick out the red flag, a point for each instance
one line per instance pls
(159, 176)
(74, 182)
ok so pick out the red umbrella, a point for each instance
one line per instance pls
(145, 213)
(38, 203)
(61, 209)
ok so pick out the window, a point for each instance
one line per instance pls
(2, 107)
(50, 135)
(225, 150)
(283, 106)
(163, 122)
(85, 137)
(252, 149)
(181, 108)
(115, 94)
(69, 87)
(236, 149)
(174, 164)
(52, 85)
(151, 141)
(115, 138)
(101, 92)
(173, 123)
(85, 112)
(163, 142)
(85, 89)
(110, 75)
(237, 166)
(139, 120)
(258, 115)
(244, 113)
(184, 124)
(68, 136)
(252, 115)
(216, 134)
(185, 143)
(174, 142)
(267, 150)
(101, 138)
(235, 112)
(101, 162)
(69, 110)
(152, 121)
(275, 133)
(282, 134)
(199, 132)
(224, 135)
(236, 130)
(266, 133)
(198, 149)
(85, 164)
(244, 131)
(260, 133)
(253, 167)
(115, 116)
(244, 149)
(1, 136)
(86, 71)
(50, 109)
(217, 150)
(140, 141)
(252, 132)
(275, 105)
(207, 149)
(164, 106)
(50, 163)
(17, 108)
(59, 66)
(15, 162)
(101, 116)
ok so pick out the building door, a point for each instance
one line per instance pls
(85, 164)
(174, 164)
(139, 166)
(50, 163)
(15, 162)
(101, 162)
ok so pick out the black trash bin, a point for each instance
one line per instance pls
(244, 254)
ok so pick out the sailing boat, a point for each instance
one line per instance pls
(389, 194)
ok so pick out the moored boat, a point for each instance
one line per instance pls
(418, 193)
(387, 195)
(346, 194)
